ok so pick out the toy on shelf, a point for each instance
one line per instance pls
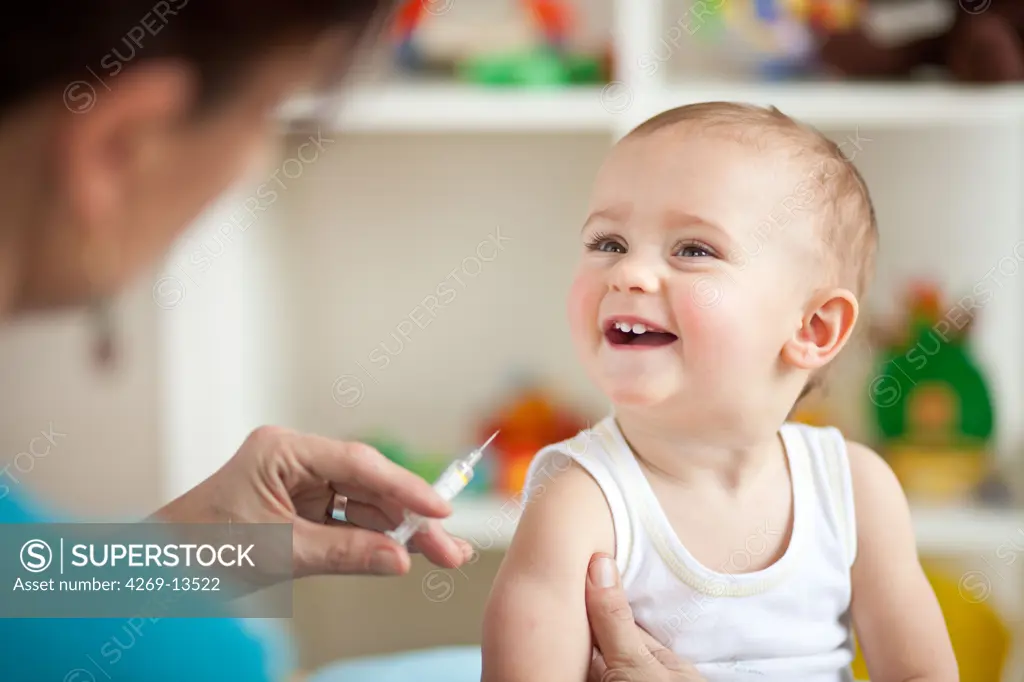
(528, 421)
(777, 38)
(931, 403)
(533, 52)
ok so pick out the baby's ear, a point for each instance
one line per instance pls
(824, 329)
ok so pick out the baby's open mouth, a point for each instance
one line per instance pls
(622, 333)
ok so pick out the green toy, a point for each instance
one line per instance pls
(540, 67)
(933, 408)
(933, 357)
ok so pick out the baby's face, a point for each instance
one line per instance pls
(700, 244)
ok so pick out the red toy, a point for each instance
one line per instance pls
(551, 19)
(554, 18)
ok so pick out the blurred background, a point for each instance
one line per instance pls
(397, 273)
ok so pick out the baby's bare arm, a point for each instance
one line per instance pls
(896, 615)
(535, 625)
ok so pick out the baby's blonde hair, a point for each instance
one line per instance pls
(846, 217)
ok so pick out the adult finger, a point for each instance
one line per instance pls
(668, 659)
(598, 669)
(365, 516)
(433, 541)
(611, 618)
(321, 549)
(440, 548)
(358, 464)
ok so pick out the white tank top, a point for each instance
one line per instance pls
(789, 621)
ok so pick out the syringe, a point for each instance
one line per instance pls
(449, 484)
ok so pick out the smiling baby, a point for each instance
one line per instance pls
(723, 259)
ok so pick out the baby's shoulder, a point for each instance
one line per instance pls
(871, 476)
(588, 452)
(565, 474)
(566, 492)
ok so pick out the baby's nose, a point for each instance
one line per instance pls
(636, 275)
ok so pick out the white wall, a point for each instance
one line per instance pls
(412, 211)
(221, 328)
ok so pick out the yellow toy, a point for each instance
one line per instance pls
(981, 640)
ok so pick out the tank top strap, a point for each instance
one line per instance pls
(586, 450)
(831, 469)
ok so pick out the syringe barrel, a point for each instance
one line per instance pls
(449, 484)
(406, 529)
(456, 477)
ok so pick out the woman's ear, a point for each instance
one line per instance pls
(824, 330)
(119, 133)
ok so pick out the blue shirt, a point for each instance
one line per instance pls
(116, 650)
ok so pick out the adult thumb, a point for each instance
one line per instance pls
(611, 618)
(320, 549)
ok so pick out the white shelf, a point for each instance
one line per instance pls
(975, 530)
(866, 104)
(452, 107)
(489, 522)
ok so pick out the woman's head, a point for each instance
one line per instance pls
(121, 120)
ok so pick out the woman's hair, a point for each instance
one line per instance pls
(75, 45)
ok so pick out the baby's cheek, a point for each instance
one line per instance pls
(711, 323)
(582, 305)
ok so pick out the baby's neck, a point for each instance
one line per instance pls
(681, 456)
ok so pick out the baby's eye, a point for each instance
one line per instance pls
(611, 246)
(605, 244)
(694, 251)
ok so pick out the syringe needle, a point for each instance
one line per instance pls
(475, 456)
(489, 440)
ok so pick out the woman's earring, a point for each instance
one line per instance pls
(103, 333)
(98, 263)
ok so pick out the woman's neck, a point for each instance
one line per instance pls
(11, 253)
(678, 454)
(22, 190)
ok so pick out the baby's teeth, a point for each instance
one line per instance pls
(634, 328)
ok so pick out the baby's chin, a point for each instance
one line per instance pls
(640, 391)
